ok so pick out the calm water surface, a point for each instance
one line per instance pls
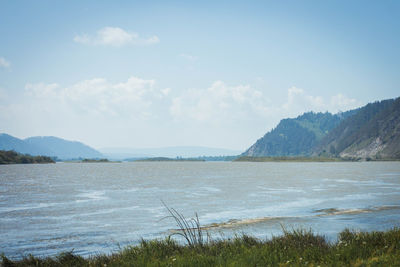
(92, 208)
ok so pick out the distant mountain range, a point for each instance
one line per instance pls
(48, 146)
(372, 131)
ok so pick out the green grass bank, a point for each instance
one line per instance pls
(293, 248)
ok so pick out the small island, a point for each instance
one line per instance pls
(95, 161)
(12, 157)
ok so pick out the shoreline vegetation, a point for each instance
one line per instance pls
(293, 248)
(12, 157)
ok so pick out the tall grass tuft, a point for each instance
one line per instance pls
(189, 229)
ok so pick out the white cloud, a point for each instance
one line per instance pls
(220, 102)
(189, 57)
(166, 91)
(298, 101)
(4, 63)
(340, 102)
(114, 36)
(83, 39)
(97, 96)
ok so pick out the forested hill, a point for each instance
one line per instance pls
(370, 132)
(373, 132)
(297, 136)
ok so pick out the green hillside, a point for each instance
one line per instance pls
(296, 137)
(370, 132)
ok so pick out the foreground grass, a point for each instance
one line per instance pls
(295, 248)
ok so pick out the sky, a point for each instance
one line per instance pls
(221, 74)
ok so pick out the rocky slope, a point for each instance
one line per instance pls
(373, 132)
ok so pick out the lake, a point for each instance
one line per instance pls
(98, 207)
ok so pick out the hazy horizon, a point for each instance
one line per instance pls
(157, 74)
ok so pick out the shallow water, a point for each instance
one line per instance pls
(95, 208)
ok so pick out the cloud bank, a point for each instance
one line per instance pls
(132, 98)
(298, 101)
(219, 102)
(137, 111)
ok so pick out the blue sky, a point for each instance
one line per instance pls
(168, 73)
